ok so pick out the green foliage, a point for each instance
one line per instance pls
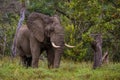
(81, 18)
(7, 32)
(93, 16)
(69, 70)
(87, 38)
(77, 53)
(42, 6)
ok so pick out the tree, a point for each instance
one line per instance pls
(97, 47)
(22, 17)
(8, 11)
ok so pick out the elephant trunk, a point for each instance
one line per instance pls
(57, 57)
(59, 50)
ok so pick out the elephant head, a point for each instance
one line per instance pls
(45, 27)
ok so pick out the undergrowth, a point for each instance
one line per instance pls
(69, 70)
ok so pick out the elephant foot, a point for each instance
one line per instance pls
(35, 64)
(56, 66)
(29, 61)
(26, 61)
(50, 66)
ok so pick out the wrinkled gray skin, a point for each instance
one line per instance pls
(37, 36)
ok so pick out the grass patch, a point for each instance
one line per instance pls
(68, 70)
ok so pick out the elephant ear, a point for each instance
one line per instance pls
(36, 25)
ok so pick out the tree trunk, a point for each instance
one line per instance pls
(97, 47)
(22, 17)
(4, 45)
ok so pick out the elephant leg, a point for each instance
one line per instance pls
(35, 57)
(23, 60)
(35, 61)
(35, 51)
(22, 56)
(29, 61)
(50, 57)
(26, 61)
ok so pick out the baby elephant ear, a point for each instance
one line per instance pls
(36, 26)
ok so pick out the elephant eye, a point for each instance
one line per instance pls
(51, 29)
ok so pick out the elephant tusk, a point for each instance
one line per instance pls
(55, 46)
(69, 46)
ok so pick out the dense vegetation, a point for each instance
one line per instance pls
(81, 18)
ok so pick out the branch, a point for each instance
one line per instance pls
(63, 13)
(105, 57)
(22, 17)
(115, 5)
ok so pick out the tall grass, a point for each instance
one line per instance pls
(69, 70)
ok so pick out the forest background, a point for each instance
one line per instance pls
(80, 18)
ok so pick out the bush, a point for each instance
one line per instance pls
(78, 52)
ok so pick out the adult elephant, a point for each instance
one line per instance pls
(41, 33)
